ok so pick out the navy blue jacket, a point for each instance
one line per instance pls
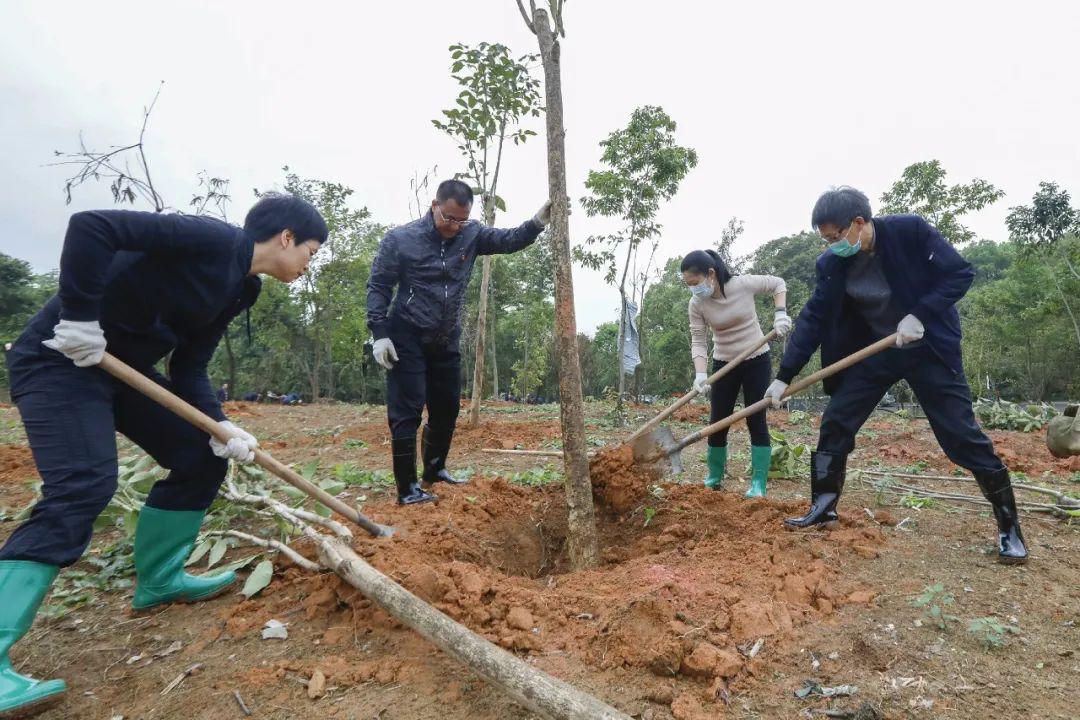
(431, 272)
(158, 284)
(927, 277)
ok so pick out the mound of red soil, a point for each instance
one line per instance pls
(681, 597)
(17, 474)
(618, 482)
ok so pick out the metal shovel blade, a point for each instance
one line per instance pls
(658, 447)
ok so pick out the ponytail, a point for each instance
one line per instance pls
(702, 261)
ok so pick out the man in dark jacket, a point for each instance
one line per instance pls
(885, 275)
(148, 285)
(417, 330)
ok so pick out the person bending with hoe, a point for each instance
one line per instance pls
(143, 286)
(879, 276)
(417, 330)
(724, 303)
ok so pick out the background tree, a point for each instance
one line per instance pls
(497, 92)
(644, 165)
(729, 235)
(921, 190)
(581, 520)
(1049, 228)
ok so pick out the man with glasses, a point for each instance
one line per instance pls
(879, 276)
(417, 331)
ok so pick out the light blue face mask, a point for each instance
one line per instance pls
(702, 290)
(843, 248)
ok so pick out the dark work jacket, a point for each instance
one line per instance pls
(927, 277)
(431, 272)
(157, 284)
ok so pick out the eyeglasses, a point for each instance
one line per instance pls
(450, 220)
(839, 236)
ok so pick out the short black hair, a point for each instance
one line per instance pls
(455, 190)
(702, 261)
(277, 211)
(839, 206)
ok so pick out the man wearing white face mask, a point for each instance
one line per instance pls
(724, 304)
(879, 276)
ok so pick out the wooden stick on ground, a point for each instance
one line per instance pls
(534, 689)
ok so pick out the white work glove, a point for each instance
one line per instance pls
(909, 330)
(241, 446)
(81, 341)
(384, 353)
(775, 391)
(699, 383)
(543, 215)
(781, 323)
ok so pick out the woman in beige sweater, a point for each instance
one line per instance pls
(724, 303)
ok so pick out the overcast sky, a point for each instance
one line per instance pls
(780, 100)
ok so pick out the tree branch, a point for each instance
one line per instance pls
(281, 547)
(525, 17)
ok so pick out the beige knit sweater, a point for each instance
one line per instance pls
(733, 318)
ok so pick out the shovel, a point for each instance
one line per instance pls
(656, 435)
(127, 375)
(661, 446)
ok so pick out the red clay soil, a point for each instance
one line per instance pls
(677, 602)
(618, 482)
(17, 474)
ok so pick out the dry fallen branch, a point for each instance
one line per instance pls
(1061, 498)
(902, 489)
(281, 547)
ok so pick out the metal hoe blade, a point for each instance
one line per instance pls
(658, 447)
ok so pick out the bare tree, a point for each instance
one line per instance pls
(581, 521)
(115, 166)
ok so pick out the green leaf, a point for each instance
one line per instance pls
(200, 551)
(322, 510)
(259, 578)
(217, 552)
(234, 565)
(500, 203)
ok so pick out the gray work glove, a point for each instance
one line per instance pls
(699, 383)
(81, 341)
(543, 215)
(781, 323)
(909, 330)
(241, 446)
(384, 353)
(775, 392)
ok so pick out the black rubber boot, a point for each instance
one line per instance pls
(409, 491)
(827, 473)
(997, 488)
(435, 453)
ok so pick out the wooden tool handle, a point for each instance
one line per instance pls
(129, 376)
(670, 410)
(797, 387)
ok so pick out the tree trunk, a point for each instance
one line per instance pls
(1065, 302)
(540, 693)
(581, 535)
(494, 359)
(481, 323)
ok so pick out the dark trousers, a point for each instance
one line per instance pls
(427, 373)
(71, 416)
(751, 378)
(944, 395)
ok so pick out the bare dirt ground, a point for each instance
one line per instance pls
(703, 606)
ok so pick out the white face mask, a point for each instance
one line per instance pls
(702, 289)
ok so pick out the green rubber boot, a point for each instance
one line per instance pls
(760, 460)
(23, 585)
(163, 541)
(717, 460)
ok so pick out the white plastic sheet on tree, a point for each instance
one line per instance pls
(632, 347)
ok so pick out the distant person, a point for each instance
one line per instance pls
(417, 330)
(879, 276)
(144, 286)
(723, 305)
(223, 393)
